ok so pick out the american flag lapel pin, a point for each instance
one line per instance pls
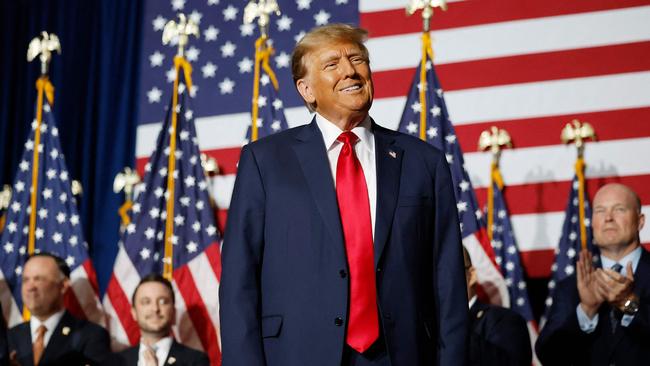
(392, 154)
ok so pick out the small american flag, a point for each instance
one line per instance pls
(440, 133)
(195, 241)
(507, 256)
(58, 228)
(567, 251)
(271, 117)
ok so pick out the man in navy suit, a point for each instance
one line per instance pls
(343, 244)
(53, 336)
(153, 309)
(497, 336)
(602, 316)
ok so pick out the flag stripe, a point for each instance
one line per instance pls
(542, 197)
(468, 13)
(197, 312)
(542, 230)
(122, 305)
(545, 164)
(499, 103)
(609, 125)
(530, 100)
(555, 163)
(213, 254)
(584, 62)
(514, 38)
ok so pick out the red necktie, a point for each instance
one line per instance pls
(354, 207)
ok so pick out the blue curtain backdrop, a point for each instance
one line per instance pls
(95, 80)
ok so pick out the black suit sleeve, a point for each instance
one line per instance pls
(561, 338)
(239, 291)
(449, 277)
(96, 344)
(4, 353)
(510, 334)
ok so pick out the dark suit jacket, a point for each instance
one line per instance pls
(84, 343)
(284, 289)
(4, 353)
(179, 355)
(498, 337)
(561, 341)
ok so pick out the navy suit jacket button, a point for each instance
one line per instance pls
(342, 273)
(338, 321)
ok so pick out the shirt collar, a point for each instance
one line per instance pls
(163, 343)
(472, 301)
(633, 257)
(331, 132)
(49, 323)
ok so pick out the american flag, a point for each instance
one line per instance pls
(271, 117)
(570, 243)
(439, 132)
(507, 256)
(196, 241)
(523, 65)
(58, 228)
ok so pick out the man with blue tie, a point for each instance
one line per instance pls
(602, 316)
(342, 245)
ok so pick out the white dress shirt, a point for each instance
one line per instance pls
(49, 323)
(589, 325)
(364, 149)
(161, 348)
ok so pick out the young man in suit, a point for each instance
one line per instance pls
(153, 310)
(343, 243)
(601, 316)
(497, 336)
(53, 336)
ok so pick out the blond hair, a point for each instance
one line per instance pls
(316, 37)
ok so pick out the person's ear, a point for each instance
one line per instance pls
(305, 90)
(65, 285)
(473, 279)
(641, 221)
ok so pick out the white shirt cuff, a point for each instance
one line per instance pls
(586, 325)
(626, 320)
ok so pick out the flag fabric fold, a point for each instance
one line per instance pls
(425, 116)
(507, 257)
(576, 233)
(57, 228)
(192, 232)
(268, 109)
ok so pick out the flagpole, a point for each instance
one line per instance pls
(493, 139)
(578, 132)
(175, 31)
(427, 52)
(42, 47)
(262, 10)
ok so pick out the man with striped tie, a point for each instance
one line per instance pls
(53, 336)
(601, 316)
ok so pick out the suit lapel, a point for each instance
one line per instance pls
(174, 354)
(389, 166)
(312, 156)
(24, 345)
